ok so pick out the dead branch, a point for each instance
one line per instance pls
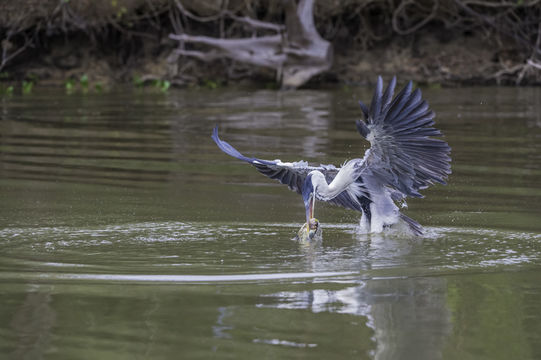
(260, 51)
(297, 52)
(402, 7)
(7, 56)
(256, 24)
(534, 64)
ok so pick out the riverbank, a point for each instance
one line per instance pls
(128, 41)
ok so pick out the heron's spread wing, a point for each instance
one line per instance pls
(402, 154)
(290, 174)
(294, 174)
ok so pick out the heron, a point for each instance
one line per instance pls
(404, 157)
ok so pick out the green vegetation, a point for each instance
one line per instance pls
(83, 84)
(27, 86)
(162, 85)
(6, 91)
(70, 85)
(83, 80)
(210, 84)
(138, 81)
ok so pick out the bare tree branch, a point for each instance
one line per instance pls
(297, 52)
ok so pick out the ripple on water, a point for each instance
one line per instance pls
(487, 248)
(198, 252)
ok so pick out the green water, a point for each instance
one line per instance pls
(126, 234)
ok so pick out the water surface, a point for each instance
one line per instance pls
(126, 233)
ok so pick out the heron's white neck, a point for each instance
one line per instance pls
(345, 177)
(323, 190)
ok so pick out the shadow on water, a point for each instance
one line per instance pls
(125, 232)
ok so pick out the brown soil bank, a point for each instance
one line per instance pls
(430, 41)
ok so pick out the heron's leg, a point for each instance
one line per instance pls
(364, 224)
(376, 221)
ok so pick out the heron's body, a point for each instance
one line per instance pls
(403, 159)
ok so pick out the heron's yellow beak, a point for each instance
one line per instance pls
(310, 212)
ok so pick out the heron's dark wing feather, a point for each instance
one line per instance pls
(344, 199)
(290, 174)
(402, 154)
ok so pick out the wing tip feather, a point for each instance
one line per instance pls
(362, 128)
(402, 128)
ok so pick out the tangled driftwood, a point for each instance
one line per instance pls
(296, 51)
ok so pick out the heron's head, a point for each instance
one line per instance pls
(309, 197)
